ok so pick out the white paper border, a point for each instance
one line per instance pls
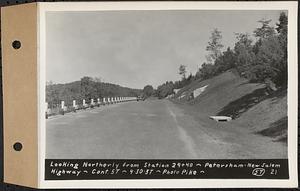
(290, 6)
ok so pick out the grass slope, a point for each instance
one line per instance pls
(247, 103)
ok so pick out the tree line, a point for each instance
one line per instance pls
(87, 88)
(262, 60)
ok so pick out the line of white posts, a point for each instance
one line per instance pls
(93, 103)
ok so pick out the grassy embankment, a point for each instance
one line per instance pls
(247, 103)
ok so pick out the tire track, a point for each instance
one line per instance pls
(185, 138)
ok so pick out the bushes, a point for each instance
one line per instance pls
(266, 59)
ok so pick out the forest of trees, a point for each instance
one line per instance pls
(263, 60)
(87, 88)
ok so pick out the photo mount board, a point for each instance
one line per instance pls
(20, 94)
(22, 76)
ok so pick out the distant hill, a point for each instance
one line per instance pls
(250, 104)
(87, 88)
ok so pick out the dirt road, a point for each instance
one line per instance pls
(154, 129)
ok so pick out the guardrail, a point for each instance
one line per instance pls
(62, 108)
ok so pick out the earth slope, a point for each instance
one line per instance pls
(253, 109)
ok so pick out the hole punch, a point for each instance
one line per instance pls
(16, 44)
(18, 146)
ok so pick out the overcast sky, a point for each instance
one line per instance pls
(136, 48)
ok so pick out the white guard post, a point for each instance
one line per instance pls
(83, 103)
(62, 104)
(74, 104)
(46, 105)
(48, 110)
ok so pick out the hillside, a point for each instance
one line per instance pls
(251, 107)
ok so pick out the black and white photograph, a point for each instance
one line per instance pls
(167, 93)
(150, 94)
(166, 84)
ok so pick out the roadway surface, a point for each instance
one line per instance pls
(154, 129)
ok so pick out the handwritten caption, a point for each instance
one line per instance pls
(164, 169)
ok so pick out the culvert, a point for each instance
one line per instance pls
(220, 118)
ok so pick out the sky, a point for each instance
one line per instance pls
(137, 48)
